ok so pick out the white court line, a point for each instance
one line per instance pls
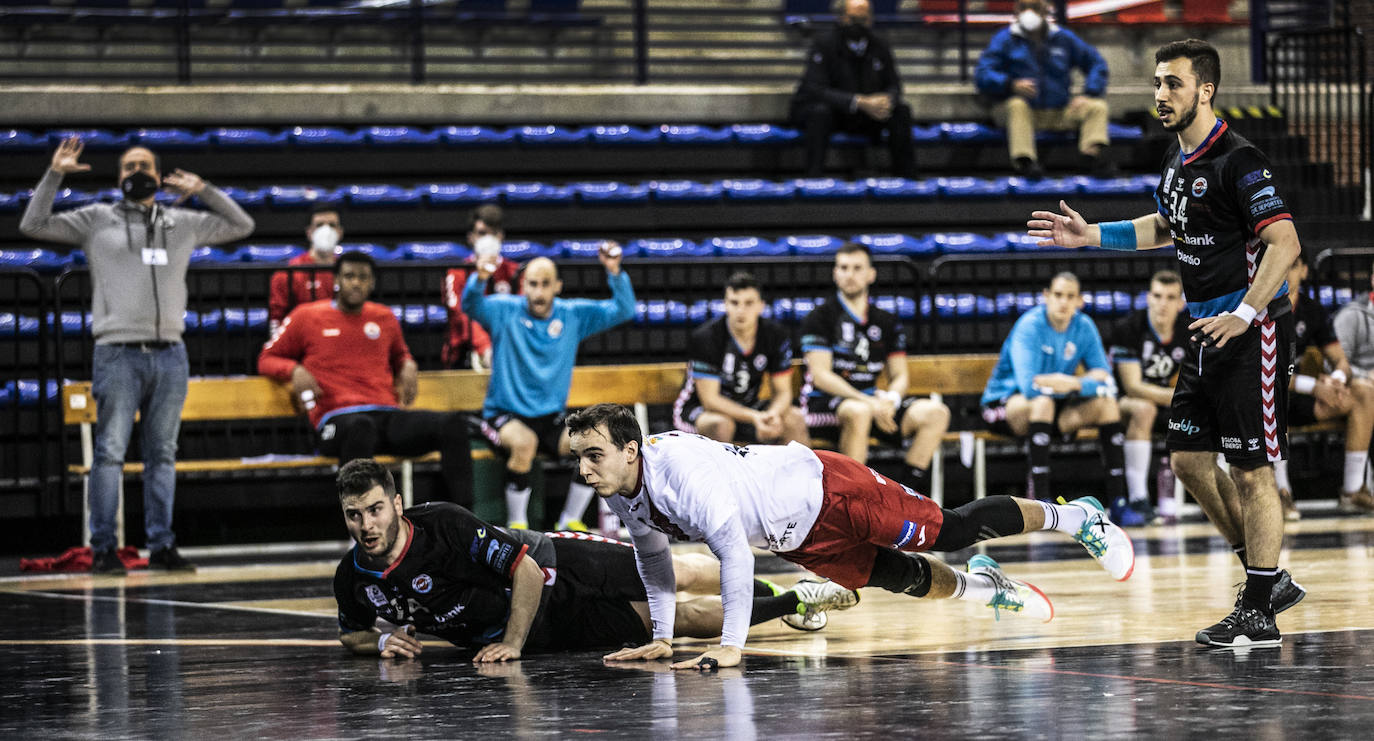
(170, 603)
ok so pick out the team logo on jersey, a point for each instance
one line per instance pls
(760, 362)
(727, 365)
(847, 332)
(654, 440)
(1199, 187)
(556, 328)
(1264, 192)
(1254, 177)
(422, 583)
(374, 595)
(1069, 350)
(1178, 354)
(875, 333)
(909, 530)
(372, 331)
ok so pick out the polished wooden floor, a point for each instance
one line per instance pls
(239, 651)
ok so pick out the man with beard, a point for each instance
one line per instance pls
(1219, 205)
(438, 569)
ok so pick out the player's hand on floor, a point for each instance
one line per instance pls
(657, 649)
(497, 652)
(400, 644)
(717, 658)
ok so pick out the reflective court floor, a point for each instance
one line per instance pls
(248, 651)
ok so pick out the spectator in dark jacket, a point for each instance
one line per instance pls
(851, 85)
(1026, 70)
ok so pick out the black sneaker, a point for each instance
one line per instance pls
(168, 559)
(1286, 592)
(1245, 626)
(1028, 168)
(107, 562)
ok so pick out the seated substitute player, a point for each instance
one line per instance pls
(1146, 349)
(438, 569)
(818, 509)
(847, 343)
(312, 277)
(729, 357)
(534, 340)
(349, 366)
(1033, 390)
(1326, 396)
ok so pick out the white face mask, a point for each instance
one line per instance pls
(487, 245)
(324, 239)
(1030, 21)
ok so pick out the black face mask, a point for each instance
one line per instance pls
(854, 32)
(138, 186)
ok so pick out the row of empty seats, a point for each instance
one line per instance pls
(484, 136)
(535, 12)
(441, 195)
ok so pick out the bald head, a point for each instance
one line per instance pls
(541, 267)
(540, 284)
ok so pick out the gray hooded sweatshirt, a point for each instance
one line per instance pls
(1354, 325)
(137, 295)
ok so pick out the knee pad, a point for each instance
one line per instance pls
(979, 520)
(904, 573)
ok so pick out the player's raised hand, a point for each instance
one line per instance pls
(655, 649)
(717, 658)
(184, 184)
(1064, 230)
(65, 159)
(610, 254)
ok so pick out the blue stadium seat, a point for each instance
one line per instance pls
(17, 325)
(971, 132)
(206, 255)
(445, 251)
(35, 258)
(1005, 305)
(926, 134)
(415, 316)
(521, 250)
(75, 258)
(670, 248)
(380, 253)
(240, 138)
(1055, 137)
(764, 134)
(588, 248)
(475, 136)
(748, 247)
(71, 322)
(93, 138)
(1022, 242)
(813, 244)
(693, 134)
(1098, 303)
(755, 189)
(266, 252)
(780, 309)
(166, 139)
(234, 319)
(830, 189)
(401, 136)
(1122, 302)
(246, 198)
(806, 12)
(844, 139)
(1062, 187)
(911, 190)
(380, 195)
(677, 312)
(1122, 186)
(298, 196)
(962, 242)
(550, 136)
(25, 391)
(1123, 133)
(902, 306)
(655, 312)
(458, 194)
(685, 190)
(803, 306)
(611, 192)
(13, 201)
(896, 244)
(974, 187)
(16, 140)
(326, 136)
(699, 311)
(623, 135)
(1148, 183)
(68, 198)
(536, 193)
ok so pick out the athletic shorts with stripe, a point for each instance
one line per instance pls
(595, 583)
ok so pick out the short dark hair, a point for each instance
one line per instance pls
(742, 280)
(489, 214)
(621, 425)
(1206, 61)
(157, 158)
(326, 207)
(1066, 275)
(358, 476)
(1167, 277)
(849, 248)
(355, 256)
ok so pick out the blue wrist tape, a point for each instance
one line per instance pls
(1118, 235)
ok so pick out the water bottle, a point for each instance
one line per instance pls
(1167, 507)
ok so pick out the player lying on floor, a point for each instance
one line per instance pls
(817, 509)
(438, 569)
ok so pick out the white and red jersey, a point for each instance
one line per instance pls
(464, 334)
(353, 357)
(729, 497)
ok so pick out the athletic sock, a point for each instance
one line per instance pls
(770, 608)
(974, 587)
(1281, 475)
(1111, 438)
(765, 588)
(1137, 454)
(1355, 461)
(1066, 518)
(1239, 550)
(1039, 453)
(517, 504)
(579, 496)
(918, 479)
(1259, 585)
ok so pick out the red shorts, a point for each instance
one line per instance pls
(861, 512)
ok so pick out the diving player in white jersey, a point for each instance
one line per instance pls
(820, 510)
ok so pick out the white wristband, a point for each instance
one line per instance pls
(1339, 376)
(381, 642)
(1244, 311)
(1304, 384)
(891, 396)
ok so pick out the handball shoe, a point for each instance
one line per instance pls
(1285, 594)
(1104, 539)
(1012, 595)
(1245, 626)
(1126, 515)
(814, 598)
(574, 525)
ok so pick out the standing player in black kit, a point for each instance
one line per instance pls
(1219, 206)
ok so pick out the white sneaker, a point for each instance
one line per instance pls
(815, 597)
(1013, 595)
(1104, 539)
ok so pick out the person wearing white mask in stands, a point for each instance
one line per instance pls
(291, 288)
(468, 345)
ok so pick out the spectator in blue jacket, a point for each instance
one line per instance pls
(1026, 70)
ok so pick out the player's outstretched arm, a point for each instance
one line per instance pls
(1070, 229)
(395, 644)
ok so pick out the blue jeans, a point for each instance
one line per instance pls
(125, 380)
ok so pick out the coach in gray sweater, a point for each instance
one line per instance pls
(138, 251)
(1355, 329)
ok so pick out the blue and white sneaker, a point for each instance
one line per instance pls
(1013, 595)
(1104, 539)
(1126, 515)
